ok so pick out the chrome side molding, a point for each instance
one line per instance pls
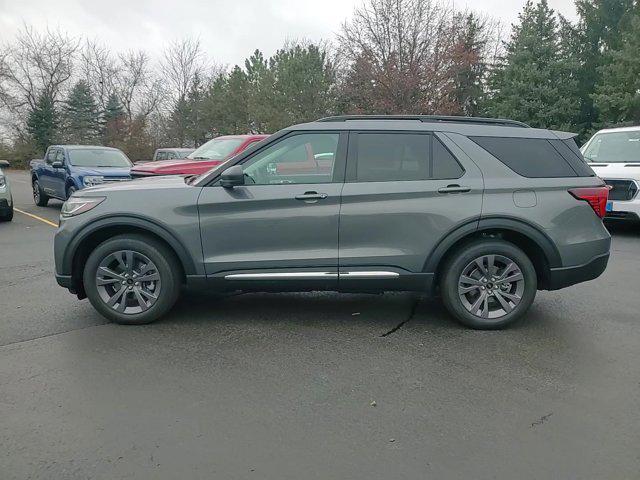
(280, 275)
(369, 274)
(310, 275)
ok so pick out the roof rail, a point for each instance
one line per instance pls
(429, 119)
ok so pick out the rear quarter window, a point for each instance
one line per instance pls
(529, 157)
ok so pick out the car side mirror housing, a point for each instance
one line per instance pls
(232, 177)
(57, 164)
(4, 164)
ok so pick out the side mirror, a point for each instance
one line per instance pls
(4, 164)
(232, 177)
(57, 164)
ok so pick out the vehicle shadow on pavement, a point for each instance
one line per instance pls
(381, 315)
(623, 229)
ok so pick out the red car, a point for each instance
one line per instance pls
(203, 159)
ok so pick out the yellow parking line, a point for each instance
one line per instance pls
(44, 220)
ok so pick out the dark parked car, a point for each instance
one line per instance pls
(168, 154)
(68, 168)
(484, 212)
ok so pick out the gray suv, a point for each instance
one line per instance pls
(482, 212)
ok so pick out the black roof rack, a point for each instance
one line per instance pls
(429, 119)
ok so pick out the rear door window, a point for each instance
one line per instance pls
(389, 157)
(445, 166)
(529, 157)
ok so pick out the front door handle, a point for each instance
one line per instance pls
(311, 197)
(454, 189)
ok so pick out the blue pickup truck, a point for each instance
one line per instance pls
(67, 168)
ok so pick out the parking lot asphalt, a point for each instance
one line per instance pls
(318, 385)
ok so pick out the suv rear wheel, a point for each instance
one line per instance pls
(488, 284)
(132, 279)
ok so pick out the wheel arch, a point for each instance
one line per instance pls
(85, 241)
(530, 238)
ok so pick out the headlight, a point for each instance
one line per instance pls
(77, 205)
(90, 181)
(2, 181)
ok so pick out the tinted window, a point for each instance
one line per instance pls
(385, 157)
(444, 163)
(529, 157)
(51, 155)
(570, 152)
(304, 158)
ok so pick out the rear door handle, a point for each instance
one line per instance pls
(454, 189)
(311, 196)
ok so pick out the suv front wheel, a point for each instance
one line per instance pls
(488, 284)
(132, 279)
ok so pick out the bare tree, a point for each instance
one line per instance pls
(98, 67)
(183, 62)
(406, 56)
(38, 65)
(140, 92)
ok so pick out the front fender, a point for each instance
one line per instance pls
(70, 246)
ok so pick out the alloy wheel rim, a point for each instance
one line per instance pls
(491, 286)
(36, 191)
(128, 282)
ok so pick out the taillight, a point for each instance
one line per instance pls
(595, 196)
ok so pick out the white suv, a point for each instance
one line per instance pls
(614, 154)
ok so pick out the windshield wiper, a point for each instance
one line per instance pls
(200, 158)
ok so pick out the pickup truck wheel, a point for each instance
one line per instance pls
(488, 284)
(132, 279)
(39, 197)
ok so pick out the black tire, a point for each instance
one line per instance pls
(168, 267)
(463, 258)
(70, 190)
(39, 197)
(7, 217)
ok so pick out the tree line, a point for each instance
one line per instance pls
(389, 57)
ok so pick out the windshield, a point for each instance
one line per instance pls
(216, 149)
(614, 147)
(98, 157)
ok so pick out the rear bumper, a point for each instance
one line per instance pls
(566, 276)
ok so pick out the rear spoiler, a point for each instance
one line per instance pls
(564, 135)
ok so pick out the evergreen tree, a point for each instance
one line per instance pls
(304, 80)
(81, 115)
(113, 122)
(617, 96)
(535, 80)
(467, 65)
(598, 32)
(42, 122)
(263, 108)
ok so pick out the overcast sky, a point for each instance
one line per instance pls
(229, 29)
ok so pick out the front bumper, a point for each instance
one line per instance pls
(625, 210)
(5, 206)
(566, 276)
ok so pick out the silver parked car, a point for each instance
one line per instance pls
(483, 212)
(6, 200)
